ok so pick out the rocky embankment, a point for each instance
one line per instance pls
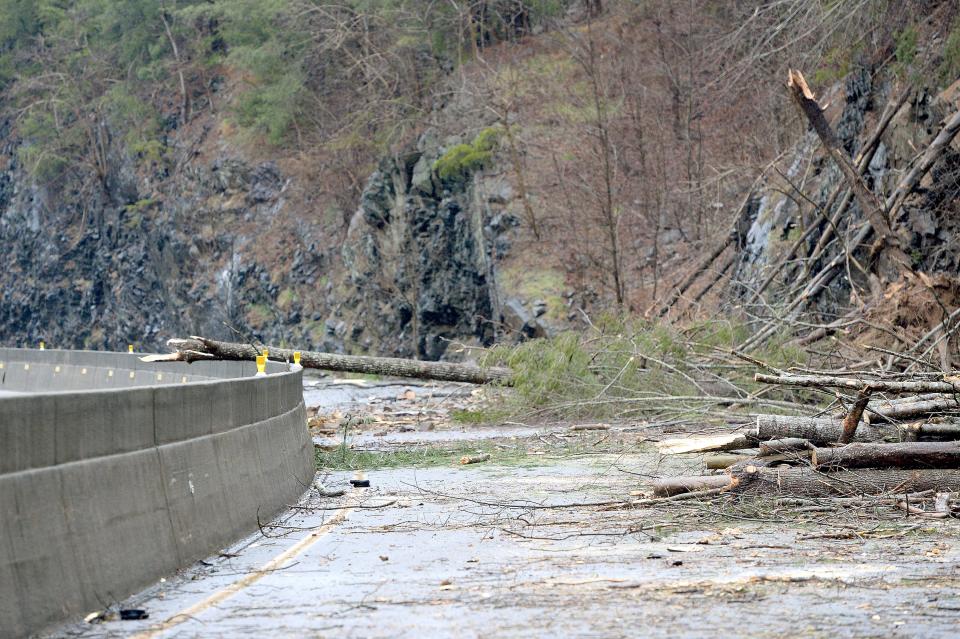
(214, 245)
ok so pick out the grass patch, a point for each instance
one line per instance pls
(258, 315)
(532, 284)
(286, 299)
(345, 458)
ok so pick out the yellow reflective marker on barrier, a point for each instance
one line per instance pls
(110, 373)
(26, 367)
(83, 371)
(266, 354)
(261, 366)
(296, 357)
(132, 374)
(56, 369)
(183, 380)
(42, 345)
(129, 348)
(159, 376)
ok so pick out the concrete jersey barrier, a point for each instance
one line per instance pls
(115, 472)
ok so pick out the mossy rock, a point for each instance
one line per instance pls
(462, 160)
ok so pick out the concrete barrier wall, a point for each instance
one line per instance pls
(104, 490)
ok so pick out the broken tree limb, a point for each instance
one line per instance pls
(852, 419)
(901, 455)
(669, 486)
(850, 383)
(203, 349)
(871, 206)
(816, 430)
(862, 161)
(756, 480)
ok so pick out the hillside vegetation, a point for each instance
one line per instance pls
(210, 164)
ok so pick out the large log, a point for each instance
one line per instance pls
(719, 461)
(942, 430)
(901, 455)
(203, 349)
(852, 383)
(816, 430)
(756, 480)
(907, 410)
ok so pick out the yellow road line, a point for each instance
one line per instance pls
(248, 580)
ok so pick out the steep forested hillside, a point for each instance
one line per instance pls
(397, 176)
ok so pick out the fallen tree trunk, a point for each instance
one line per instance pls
(906, 410)
(901, 455)
(816, 430)
(669, 486)
(944, 430)
(692, 277)
(937, 147)
(720, 461)
(203, 349)
(851, 383)
(756, 480)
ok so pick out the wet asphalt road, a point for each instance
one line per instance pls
(471, 552)
(521, 551)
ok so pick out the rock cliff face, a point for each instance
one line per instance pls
(419, 259)
(140, 255)
(214, 247)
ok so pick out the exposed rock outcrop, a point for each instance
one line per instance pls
(141, 254)
(419, 259)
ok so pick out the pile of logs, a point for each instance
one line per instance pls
(896, 437)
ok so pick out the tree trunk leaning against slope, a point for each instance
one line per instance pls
(202, 349)
(871, 206)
